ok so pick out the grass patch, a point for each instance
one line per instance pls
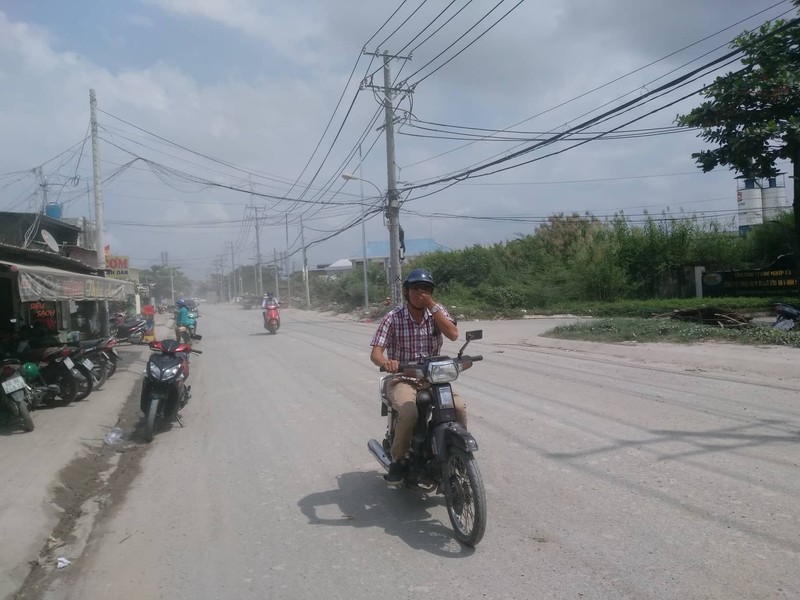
(666, 330)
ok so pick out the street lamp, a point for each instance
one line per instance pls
(350, 177)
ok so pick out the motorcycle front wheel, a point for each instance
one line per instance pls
(465, 496)
(25, 415)
(150, 423)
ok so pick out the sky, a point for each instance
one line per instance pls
(211, 112)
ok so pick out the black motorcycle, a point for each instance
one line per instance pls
(55, 368)
(164, 389)
(94, 357)
(129, 330)
(441, 455)
(787, 316)
(15, 394)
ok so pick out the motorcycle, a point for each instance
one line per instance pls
(15, 392)
(55, 368)
(272, 317)
(95, 357)
(441, 456)
(129, 330)
(164, 389)
(788, 315)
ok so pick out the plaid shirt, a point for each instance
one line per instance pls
(404, 339)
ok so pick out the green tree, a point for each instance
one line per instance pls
(752, 115)
(164, 278)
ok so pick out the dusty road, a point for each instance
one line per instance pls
(641, 472)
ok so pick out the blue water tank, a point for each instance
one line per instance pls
(53, 210)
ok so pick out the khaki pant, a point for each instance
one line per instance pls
(403, 396)
(182, 334)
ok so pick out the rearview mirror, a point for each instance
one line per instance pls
(474, 335)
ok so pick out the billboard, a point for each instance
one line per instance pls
(117, 266)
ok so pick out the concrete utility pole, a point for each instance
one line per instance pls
(99, 235)
(233, 273)
(288, 269)
(98, 189)
(392, 201)
(275, 262)
(222, 279)
(363, 228)
(305, 264)
(259, 281)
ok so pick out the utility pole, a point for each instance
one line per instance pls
(392, 202)
(222, 279)
(275, 261)
(305, 264)
(288, 270)
(259, 282)
(363, 228)
(99, 236)
(172, 284)
(233, 273)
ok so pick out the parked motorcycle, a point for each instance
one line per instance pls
(788, 316)
(15, 394)
(129, 330)
(55, 367)
(81, 371)
(111, 355)
(164, 389)
(272, 317)
(441, 455)
(95, 358)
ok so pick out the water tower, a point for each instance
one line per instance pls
(773, 197)
(748, 200)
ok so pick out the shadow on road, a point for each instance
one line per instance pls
(364, 500)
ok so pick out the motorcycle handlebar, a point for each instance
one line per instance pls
(412, 366)
(197, 351)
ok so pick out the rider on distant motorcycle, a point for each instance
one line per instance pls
(269, 300)
(408, 333)
(183, 322)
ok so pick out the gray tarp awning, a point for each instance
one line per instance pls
(46, 283)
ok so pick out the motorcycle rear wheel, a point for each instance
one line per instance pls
(25, 415)
(465, 496)
(150, 423)
(68, 387)
(100, 372)
(85, 384)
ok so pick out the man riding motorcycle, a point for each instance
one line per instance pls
(183, 322)
(406, 334)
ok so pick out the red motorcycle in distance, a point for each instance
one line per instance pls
(272, 317)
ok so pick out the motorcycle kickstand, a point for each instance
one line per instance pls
(178, 419)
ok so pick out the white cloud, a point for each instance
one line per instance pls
(267, 115)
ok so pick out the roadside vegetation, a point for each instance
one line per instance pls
(629, 270)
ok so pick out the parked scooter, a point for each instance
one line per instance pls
(55, 367)
(272, 317)
(788, 316)
(95, 358)
(15, 394)
(128, 330)
(164, 389)
(441, 455)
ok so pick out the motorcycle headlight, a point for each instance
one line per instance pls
(442, 371)
(170, 373)
(155, 372)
